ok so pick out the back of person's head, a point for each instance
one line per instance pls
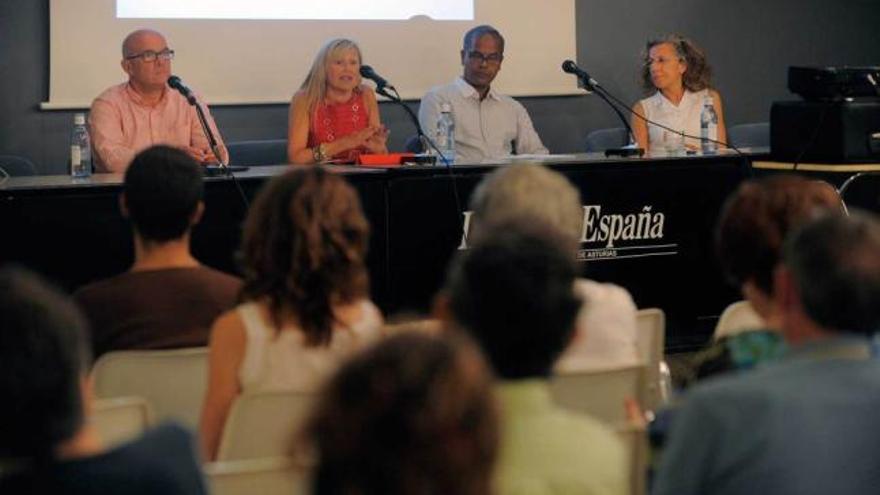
(412, 415)
(43, 359)
(304, 249)
(530, 193)
(835, 265)
(756, 219)
(163, 189)
(514, 293)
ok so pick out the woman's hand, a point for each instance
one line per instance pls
(377, 143)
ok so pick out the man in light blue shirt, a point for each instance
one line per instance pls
(488, 125)
(806, 424)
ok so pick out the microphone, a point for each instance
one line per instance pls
(177, 84)
(570, 67)
(368, 73)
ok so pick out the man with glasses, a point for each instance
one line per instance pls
(143, 112)
(488, 125)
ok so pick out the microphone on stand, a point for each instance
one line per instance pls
(591, 84)
(224, 168)
(367, 72)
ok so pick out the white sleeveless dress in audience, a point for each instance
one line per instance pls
(281, 360)
(606, 329)
(685, 117)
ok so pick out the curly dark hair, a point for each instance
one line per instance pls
(305, 242)
(412, 415)
(757, 218)
(698, 75)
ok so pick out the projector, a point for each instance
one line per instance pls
(833, 83)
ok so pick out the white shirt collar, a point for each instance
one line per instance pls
(468, 91)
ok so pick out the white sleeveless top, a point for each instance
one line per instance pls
(684, 117)
(281, 360)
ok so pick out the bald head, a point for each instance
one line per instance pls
(133, 43)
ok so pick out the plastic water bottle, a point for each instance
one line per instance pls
(80, 148)
(709, 127)
(445, 135)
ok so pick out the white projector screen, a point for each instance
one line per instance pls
(232, 60)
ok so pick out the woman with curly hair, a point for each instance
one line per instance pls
(413, 415)
(304, 304)
(678, 78)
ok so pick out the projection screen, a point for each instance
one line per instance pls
(258, 51)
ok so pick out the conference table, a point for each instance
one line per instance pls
(648, 226)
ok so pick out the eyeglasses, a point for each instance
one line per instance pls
(490, 59)
(151, 56)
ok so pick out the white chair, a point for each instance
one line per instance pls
(121, 419)
(263, 425)
(600, 393)
(736, 318)
(267, 476)
(652, 340)
(635, 441)
(173, 382)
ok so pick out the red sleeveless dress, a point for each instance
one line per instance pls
(331, 122)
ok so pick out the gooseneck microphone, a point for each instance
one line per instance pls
(176, 83)
(367, 72)
(570, 67)
(630, 149)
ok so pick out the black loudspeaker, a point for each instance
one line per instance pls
(825, 132)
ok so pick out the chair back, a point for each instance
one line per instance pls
(173, 381)
(862, 190)
(258, 152)
(600, 393)
(736, 318)
(635, 440)
(651, 324)
(16, 166)
(756, 135)
(267, 476)
(263, 425)
(603, 139)
(413, 144)
(121, 419)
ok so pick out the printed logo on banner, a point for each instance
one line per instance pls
(616, 235)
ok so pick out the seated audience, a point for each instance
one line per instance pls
(607, 332)
(678, 78)
(513, 292)
(806, 424)
(145, 111)
(488, 124)
(754, 222)
(305, 299)
(48, 443)
(167, 299)
(334, 116)
(413, 415)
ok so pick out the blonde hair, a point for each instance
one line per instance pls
(314, 87)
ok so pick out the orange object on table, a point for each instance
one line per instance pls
(384, 160)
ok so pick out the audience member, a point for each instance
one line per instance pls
(413, 415)
(607, 332)
(513, 292)
(167, 298)
(754, 222)
(333, 116)
(678, 78)
(305, 298)
(488, 125)
(805, 424)
(144, 111)
(47, 442)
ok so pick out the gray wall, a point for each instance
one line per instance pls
(750, 44)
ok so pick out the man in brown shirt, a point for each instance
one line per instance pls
(167, 299)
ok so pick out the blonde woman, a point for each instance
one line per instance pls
(333, 117)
